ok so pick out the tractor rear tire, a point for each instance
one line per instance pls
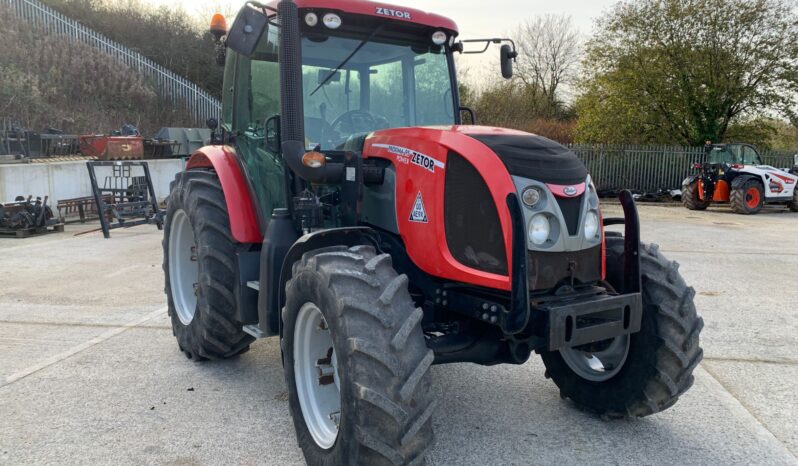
(380, 358)
(199, 253)
(661, 358)
(691, 199)
(747, 197)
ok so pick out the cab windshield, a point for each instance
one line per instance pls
(734, 154)
(382, 85)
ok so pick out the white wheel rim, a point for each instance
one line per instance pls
(314, 363)
(598, 366)
(183, 267)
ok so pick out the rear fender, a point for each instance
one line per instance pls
(240, 206)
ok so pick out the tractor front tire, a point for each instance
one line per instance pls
(658, 367)
(690, 197)
(363, 364)
(747, 196)
(199, 269)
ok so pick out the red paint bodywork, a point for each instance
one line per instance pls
(362, 7)
(426, 242)
(240, 209)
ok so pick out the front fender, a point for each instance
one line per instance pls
(240, 207)
(350, 236)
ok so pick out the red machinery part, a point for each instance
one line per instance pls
(421, 173)
(241, 210)
(112, 147)
(380, 10)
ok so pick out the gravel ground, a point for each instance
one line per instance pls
(90, 372)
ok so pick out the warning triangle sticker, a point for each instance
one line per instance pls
(418, 214)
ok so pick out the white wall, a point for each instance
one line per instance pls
(68, 180)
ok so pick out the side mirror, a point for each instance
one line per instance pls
(212, 124)
(247, 29)
(273, 134)
(507, 56)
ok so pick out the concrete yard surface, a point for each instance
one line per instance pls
(91, 374)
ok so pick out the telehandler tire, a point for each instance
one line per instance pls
(690, 197)
(661, 357)
(200, 271)
(747, 197)
(355, 360)
(793, 204)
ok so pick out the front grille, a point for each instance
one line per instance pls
(473, 231)
(571, 209)
(547, 269)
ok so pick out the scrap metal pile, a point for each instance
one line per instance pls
(19, 145)
(26, 216)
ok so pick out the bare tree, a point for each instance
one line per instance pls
(548, 55)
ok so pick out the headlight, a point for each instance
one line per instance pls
(439, 38)
(332, 21)
(539, 229)
(591, 224)
(530, 197)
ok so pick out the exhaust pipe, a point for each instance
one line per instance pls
(291, 102)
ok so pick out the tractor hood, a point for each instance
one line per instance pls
(452, 185)
(534, 157)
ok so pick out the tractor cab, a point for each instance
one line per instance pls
(362, 68)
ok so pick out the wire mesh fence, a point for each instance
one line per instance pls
(648, 168)
(181, 91)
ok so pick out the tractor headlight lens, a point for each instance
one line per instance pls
(439, 38)
(591, 224)
(539, 229)
(311, 19)
(530, 197)
(332, 21)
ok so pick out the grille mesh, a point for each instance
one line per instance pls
(473, 231)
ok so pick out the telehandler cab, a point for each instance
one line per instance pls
(344, 209)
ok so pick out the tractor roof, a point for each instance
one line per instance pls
(380, 10)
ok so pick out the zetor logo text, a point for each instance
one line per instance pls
(393, 13)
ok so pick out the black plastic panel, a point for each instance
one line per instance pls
(571, 208)
(473, 231)
(547, 269)
(535, 157)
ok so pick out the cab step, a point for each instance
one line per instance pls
(254, 330)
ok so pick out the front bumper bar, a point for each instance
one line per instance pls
(518, 316)
(590, 320)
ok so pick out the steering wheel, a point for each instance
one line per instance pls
(358, 121)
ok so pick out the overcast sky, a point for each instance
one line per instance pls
(475, 18)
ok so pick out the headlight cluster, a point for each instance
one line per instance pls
(591, 224)
(539, 229)
(531, 196)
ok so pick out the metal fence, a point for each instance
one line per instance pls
(200, 103)
(650, 168)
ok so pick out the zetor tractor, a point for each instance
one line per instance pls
(345, 210)
(734, 173)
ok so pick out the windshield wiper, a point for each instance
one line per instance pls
(349, 57)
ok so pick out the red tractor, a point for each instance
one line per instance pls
(345, 210)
